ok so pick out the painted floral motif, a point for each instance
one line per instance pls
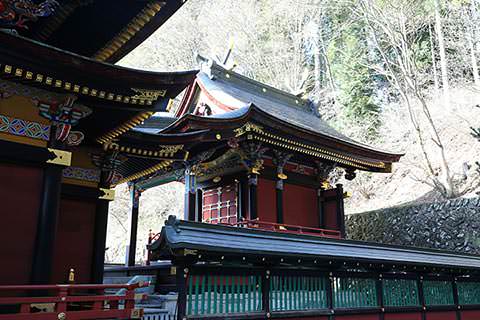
(24, 128)
(92, 175)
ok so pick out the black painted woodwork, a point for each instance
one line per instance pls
(279, 202)
(198, 205)
(67, 28)
(190, 197)
(43, 252)
(266, 292)
(47, 225)
(340, 210)
(100, 235)
(252, 196)
(320, 209)
(181, 277)
(133, 220)
(421, 296)
(23, 154)
(379, 288)
(456, 300)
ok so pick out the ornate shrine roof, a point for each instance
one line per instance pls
(213, 241)
(102, 29)
(120, 97)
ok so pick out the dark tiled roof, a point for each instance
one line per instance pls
(224, 239)
(235, 90)
(154, 124)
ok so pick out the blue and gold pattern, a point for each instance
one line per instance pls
(24, 128)
(92, 175)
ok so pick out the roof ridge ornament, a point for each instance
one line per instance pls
(172, 221)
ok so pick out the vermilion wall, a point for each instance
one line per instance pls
(266, 202)
(403, 316)
(74, 242)
(470, 315)
(357, 317)
(330, 210)
(20, 189)
(308, 318)
(300, 206)
(442, 315)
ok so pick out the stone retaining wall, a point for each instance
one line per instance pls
(451, 225)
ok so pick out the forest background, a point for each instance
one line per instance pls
(402, 75)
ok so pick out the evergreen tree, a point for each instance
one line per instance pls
(356, 82)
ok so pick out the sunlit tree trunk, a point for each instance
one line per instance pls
(441, 47)
(434, 60)
(471, 43)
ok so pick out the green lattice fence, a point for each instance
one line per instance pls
(298, 293)
(354, 293)
(400, 293)
(222, 294)
(468, 292)
(438, 293)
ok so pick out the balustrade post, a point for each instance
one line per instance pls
(330, 290)
(379, 289)
(421, 296)
(181, 275)
(266, 293)
(456, 299)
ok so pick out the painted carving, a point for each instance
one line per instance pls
(75, 138)
(56, 107)
(15, 13)
(24, 128)
(92, 175)
(64, 112)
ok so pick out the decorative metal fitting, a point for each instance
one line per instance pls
(62, 157)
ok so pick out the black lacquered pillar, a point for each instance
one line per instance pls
(252, 196)
(100, 232)
(47, 218)
(133, 224)
(190, 199)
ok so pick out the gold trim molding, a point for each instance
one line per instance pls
(263, 136)
(160, 166)
(128, 32)
(125, 127)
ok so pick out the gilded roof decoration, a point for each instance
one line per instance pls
(248, 127)
(148, 95)
(143, 97)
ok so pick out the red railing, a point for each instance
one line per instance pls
(69, 302)
(287, 228)
(152, 237)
